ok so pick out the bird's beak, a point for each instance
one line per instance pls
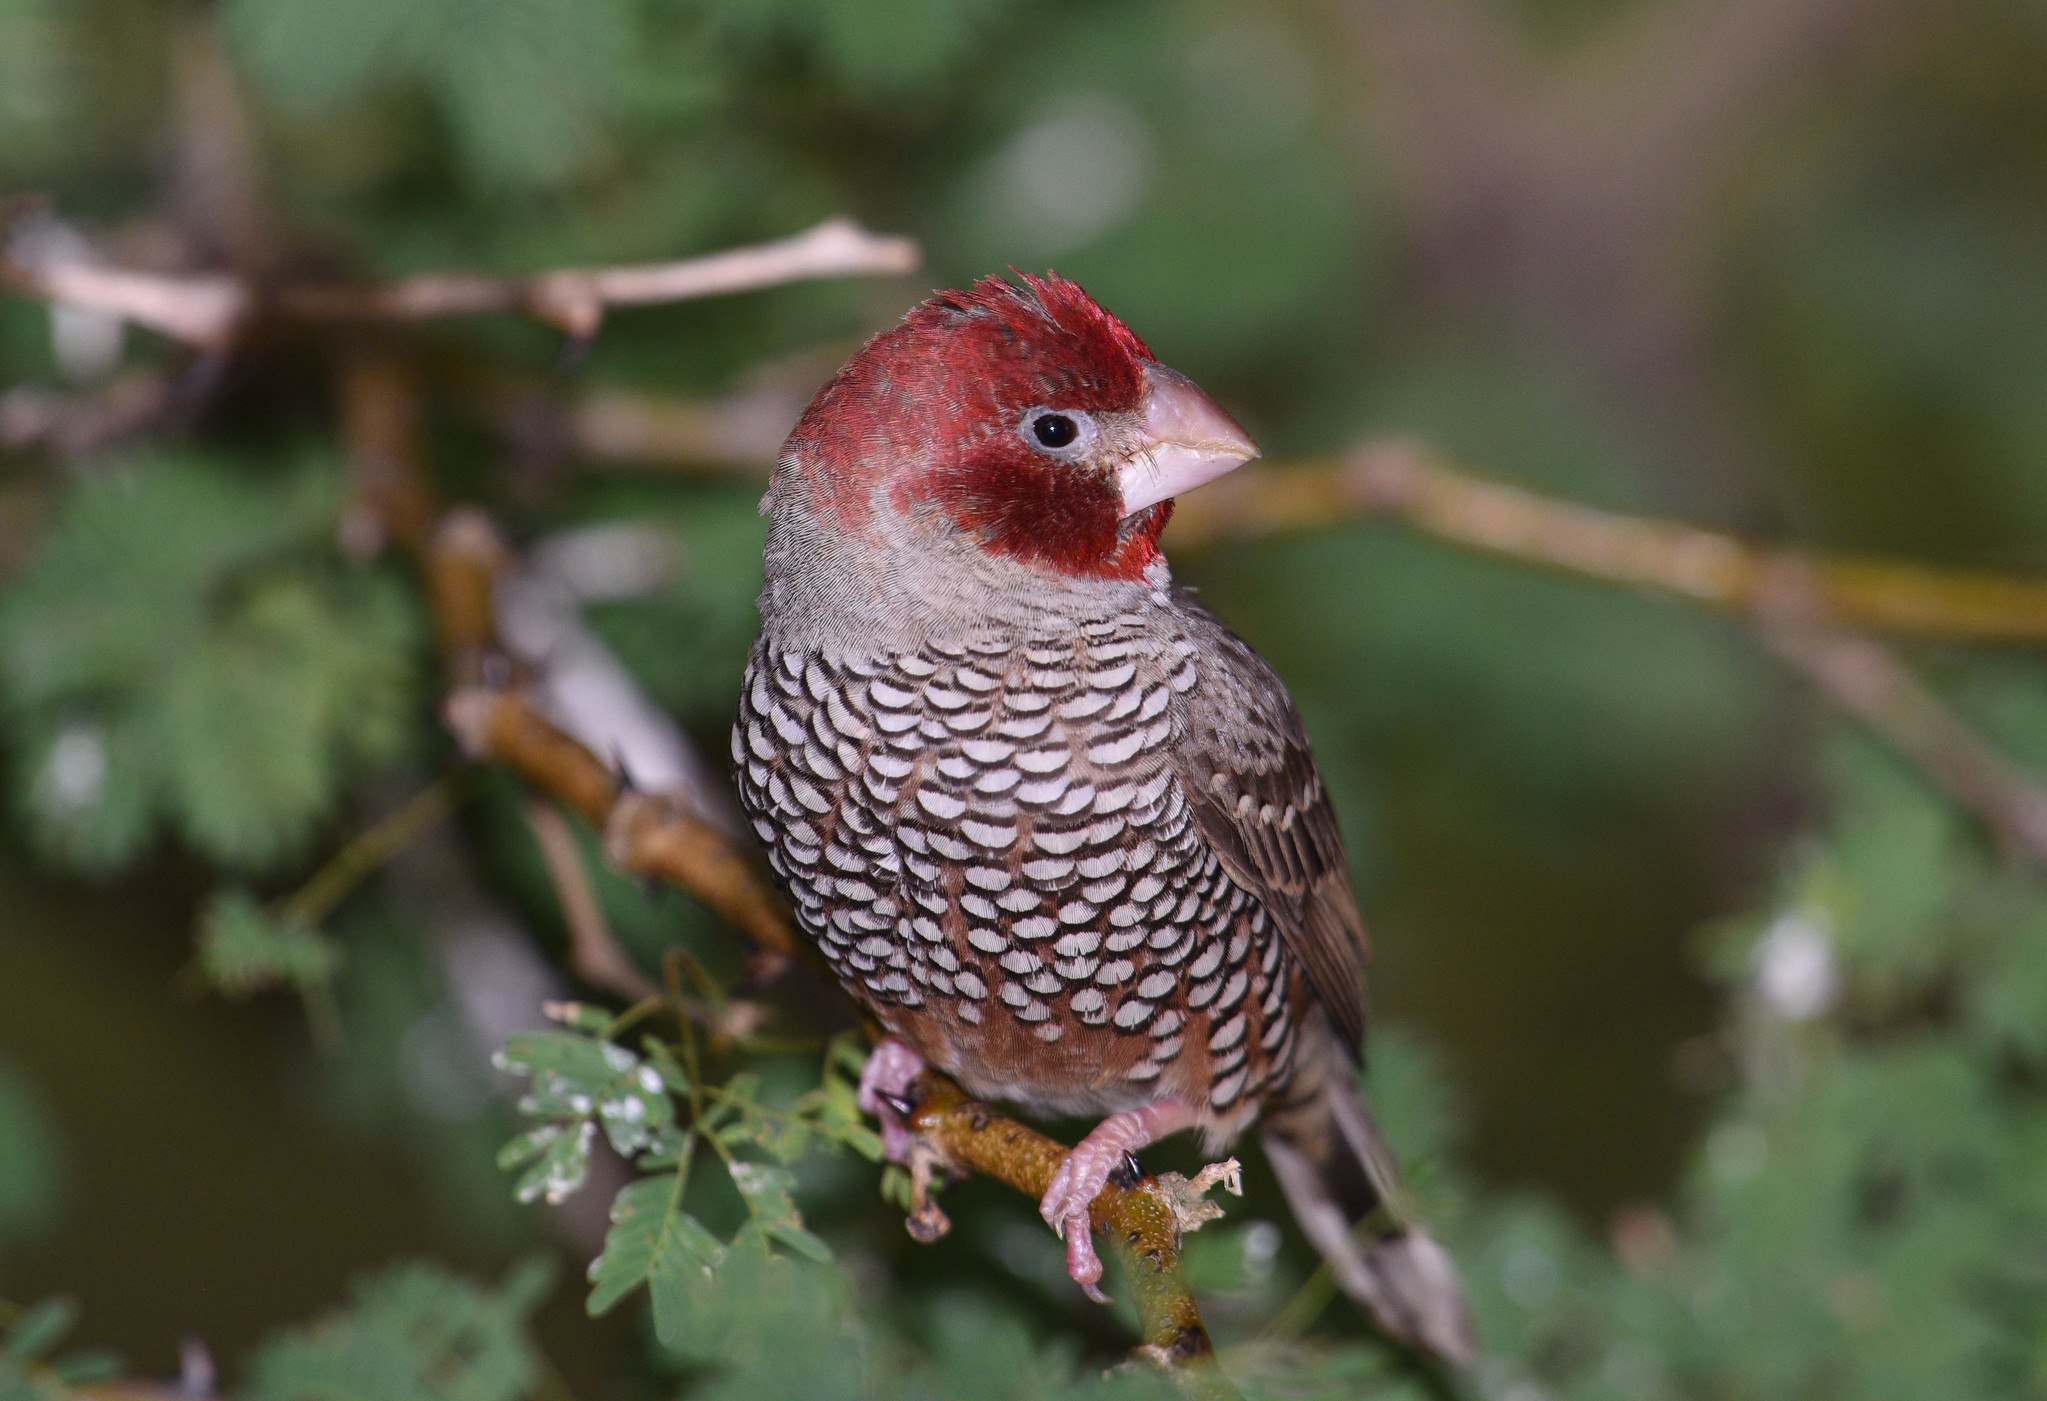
(1188, 440)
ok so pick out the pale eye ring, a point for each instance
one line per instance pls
(1061, 433)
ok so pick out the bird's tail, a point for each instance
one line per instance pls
(1339, 1178)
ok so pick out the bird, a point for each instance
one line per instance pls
(1052, 824)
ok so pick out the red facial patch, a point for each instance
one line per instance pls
(1050, 513)
(933, 407)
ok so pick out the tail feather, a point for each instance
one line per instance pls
(1339, 1178)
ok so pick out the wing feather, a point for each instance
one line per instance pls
(1259, 801)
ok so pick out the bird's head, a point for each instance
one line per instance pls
(1025, 420)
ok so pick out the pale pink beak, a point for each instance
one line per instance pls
(1189, 440)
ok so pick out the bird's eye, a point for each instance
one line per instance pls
(1061, 433)
(1055, 430)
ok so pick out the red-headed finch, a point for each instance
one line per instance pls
(1052, 823)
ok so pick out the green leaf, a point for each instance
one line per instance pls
(652, 1241)
(672, 1074)
(186, 650)
(414, 1332)
(556, 1157)
(525, 84)
(581, 1083)
(242, 949)
(862, 1140)
(767, 1191)
(788, 1140)
(37, 1332)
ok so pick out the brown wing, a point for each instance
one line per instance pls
(1259, 802)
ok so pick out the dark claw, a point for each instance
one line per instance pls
(1128, 1173)
(902, 1106)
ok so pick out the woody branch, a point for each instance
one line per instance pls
(211, 311)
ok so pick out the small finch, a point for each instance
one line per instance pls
(1050, 821)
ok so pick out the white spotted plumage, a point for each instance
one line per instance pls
(969, 834)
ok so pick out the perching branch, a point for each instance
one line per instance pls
(1144, 1222)
(213, 310)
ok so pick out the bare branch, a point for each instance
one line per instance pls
(380, 423)
(211, 310)
(649, 834)
(37, 419)
(593, 949)
(1867, 681)
(204, 309)
(1402, 481)
(582, 686)
(662, 834)
(738, 432)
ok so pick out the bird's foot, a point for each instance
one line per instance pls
(1087, 1169)
(888, 1084)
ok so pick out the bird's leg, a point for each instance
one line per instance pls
(1087, 1169)
(887, 1083)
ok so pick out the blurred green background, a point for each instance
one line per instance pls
(1773, 266)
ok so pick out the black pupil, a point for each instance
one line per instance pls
(1055, 430)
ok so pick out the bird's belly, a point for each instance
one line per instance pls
(995, 856)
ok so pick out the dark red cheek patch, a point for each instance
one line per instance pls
(1063, 517)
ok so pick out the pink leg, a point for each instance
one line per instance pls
(886, 1082)
(1086, 1171)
